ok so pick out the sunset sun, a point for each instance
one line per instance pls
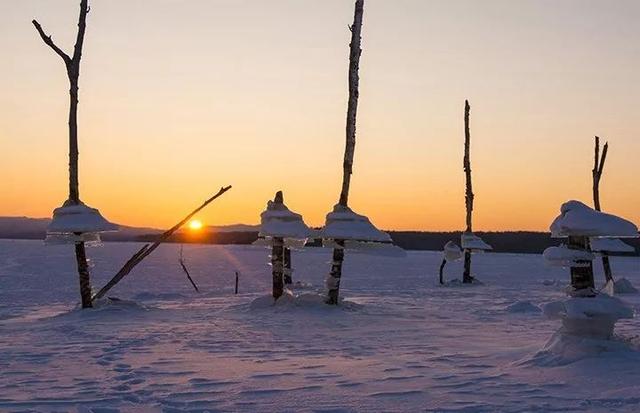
(195, 225)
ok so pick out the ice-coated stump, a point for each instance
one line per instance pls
(586, 313)
(472, 242)
(592, 317)
(281, 229)
(73, 223)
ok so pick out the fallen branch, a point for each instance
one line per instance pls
(149, 248)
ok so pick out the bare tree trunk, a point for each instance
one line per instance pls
(288, 279)
(598, 167)
(582, 276)
(73, 71)
(466, 276)
(277, 251)
(352, 109)
(83, 273)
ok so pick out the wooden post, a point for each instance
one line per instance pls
(237, 276)
(73, 72)
(582, 276)
(466, 276)
(444, 262)
(277, 257)
(277, 251)
(333, 283)
(288, 279)
(598, 167)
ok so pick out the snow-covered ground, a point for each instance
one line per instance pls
(400, 343)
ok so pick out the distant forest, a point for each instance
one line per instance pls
(508, 241)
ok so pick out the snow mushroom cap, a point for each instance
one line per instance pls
(278, 221)
(610, 245)
(577, 219)
(470, 241)
(344, 224)
(78, 218)
(565, 257)
(452, 252)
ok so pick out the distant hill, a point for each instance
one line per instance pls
(508, 241)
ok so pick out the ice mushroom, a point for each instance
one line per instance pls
(577, 219)
(281, 229)
(472, 242)
(74, 223)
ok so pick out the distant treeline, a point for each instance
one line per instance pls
(509, 241)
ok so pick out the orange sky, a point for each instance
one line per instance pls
(177, 101)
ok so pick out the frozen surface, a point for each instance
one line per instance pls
(578, 219)
(399, 343)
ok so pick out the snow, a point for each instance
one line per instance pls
(452, 252)
(473, 242)
(399, 342)
(563, 256)
(624, 286)
(344, 224)
(278, 221)
(577, 219)
(69, 219)
(609, 245)
(371, 248)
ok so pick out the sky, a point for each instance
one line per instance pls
(178, 98)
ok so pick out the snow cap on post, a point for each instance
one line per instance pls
(470, 241)
(357, 233)
(610, 245)
(344, 224)
(278, 221)
(73, 223)
(577, 219)
(565, 257)
(452, 252)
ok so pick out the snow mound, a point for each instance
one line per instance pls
(624, 286)
(344, 224)
(523, 307)
(278, 221)
(452, 251)
(306, 302)
(563, 349)
(592, 317)
(610, 245)
(70, 219)
(473, 242)
(577, 219)
(565, 257)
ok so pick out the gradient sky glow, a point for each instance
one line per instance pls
(179, 98)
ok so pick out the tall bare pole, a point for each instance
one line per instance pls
(72, 65)
(468, 199)
(352, 109)
(598, 167)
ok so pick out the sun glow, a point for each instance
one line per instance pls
(195, 225)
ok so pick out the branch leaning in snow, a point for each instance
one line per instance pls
(148, 249)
